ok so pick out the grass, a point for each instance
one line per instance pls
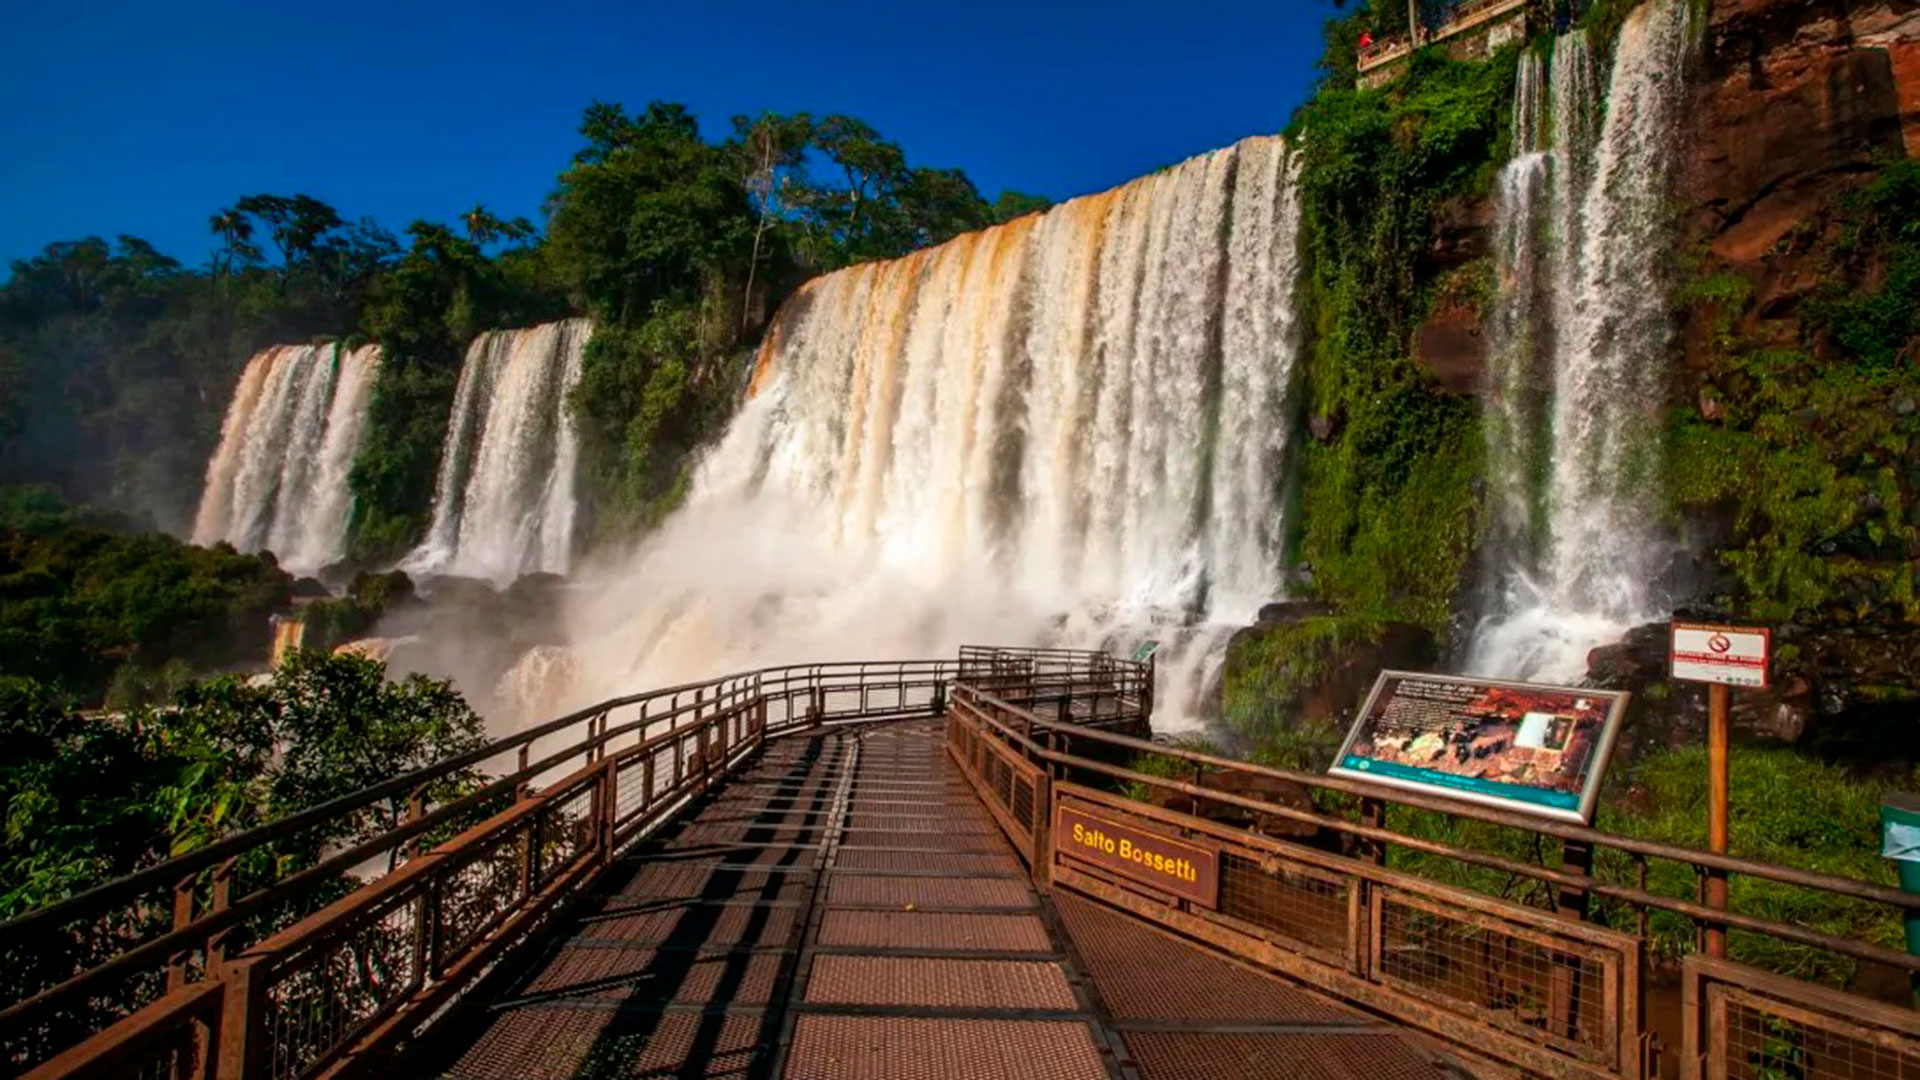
(1788, 809)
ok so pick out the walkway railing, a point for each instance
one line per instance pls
(1537, 963)
(1466, 16)
(433, 880)
(1319, 887)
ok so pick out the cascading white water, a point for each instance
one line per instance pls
(1591, 575)
(1516, 338)
(321, 537)
(504, 502)
(1071, 428)
(278, 480)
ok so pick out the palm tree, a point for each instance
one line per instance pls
(235, 229)
(482, 227)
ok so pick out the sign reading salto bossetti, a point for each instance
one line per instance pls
(1732, 655)
(1166, 863)
(1521, 746)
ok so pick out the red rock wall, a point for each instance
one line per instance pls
(1795, 101)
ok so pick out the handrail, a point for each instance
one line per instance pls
(809, 694)
(965, 696)
(173, 869)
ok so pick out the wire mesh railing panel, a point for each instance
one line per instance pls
(1498, 973)
(1743, 1023)
(479, 887)
(1764, 1040)
(566, 831)
(319, 997)
(1307, 907)
(630, 787)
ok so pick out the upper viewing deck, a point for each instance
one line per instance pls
(1497, 21)
(936, 869)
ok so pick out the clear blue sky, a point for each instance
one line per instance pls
(143, 118)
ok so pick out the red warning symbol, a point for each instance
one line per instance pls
(1719, 643)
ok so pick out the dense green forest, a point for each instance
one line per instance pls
(98, 613)
(116, 360)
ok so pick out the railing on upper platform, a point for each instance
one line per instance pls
(1309, 887)
(1466, 16)
(302, 973)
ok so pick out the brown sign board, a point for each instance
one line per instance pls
(1166, 863)
(1521, 746)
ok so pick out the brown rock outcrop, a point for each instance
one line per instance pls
(1450, 343)
(1794, 99)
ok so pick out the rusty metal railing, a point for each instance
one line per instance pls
(1306, 886)
(1740, 1023)
(399, 915)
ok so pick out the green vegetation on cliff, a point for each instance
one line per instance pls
(100, 614)
(1388, 501)
(1801, 441)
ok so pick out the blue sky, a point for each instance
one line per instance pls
(143, 118)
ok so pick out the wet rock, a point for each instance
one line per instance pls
(1796, 101)
(1841, 685)
(1293, 611)
(1452, 345)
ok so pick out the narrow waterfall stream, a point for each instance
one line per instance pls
(1579, 359)
(504, 502)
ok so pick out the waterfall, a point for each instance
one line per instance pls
(1072, 428)
(278, 480)
(504, 502)
(1516, 337)
(328, 508)
(1581, 568)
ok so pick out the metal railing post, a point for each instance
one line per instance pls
(182, 918)
(222, 897)
(609, 806)
(243, 1019)
(1042, 831)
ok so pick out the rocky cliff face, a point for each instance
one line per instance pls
(1794, 102)
(1796, 106)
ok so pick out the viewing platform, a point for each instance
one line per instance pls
(947, 869)
(1472, 30)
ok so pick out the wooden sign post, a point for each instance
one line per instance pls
(1723, 657)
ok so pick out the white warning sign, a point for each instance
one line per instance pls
(1734, 655)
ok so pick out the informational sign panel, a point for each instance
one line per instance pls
(1734, 655)
(1144, 650)
(1166, 863)
(1520, 746)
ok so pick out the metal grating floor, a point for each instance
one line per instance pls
(846, 909)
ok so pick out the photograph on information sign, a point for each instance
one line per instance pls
(1536, 748)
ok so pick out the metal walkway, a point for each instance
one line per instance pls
(846, 908)
(919, 868)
